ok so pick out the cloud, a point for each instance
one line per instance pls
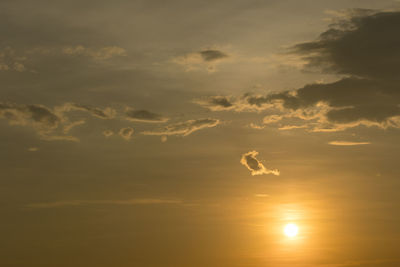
(42, 119)
(102, 53)
(33, 149)
(184, 128)
(206, 59)
(347, 143)
(38, 116)
(256, 126)
(11, 61)
(212, 55)
(107, 113)
(108, 133)
(51, 124)
(144, 116)
(59, 138)
(126, 133)
(68, 127)
(292, 127)
(271, 119)
(254, 165)
(216, 103)
(362, 46)
(129, 202)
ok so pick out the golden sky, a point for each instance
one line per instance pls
(191, 133)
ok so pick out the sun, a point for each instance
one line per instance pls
(291, 230)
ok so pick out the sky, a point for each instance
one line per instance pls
(190, 133)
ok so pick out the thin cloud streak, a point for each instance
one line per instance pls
(347, 143)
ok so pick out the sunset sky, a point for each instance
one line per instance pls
(240, 133)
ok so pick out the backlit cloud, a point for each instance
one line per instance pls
(206, 59)
(184, 128)
(107, 113)
(348, 143)
(254, 165)
(362, 46)
(126, 133)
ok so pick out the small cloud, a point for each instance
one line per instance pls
(254, 165)
(59, 138)
(126, 133)
(33, 149)
(272, 119)
(144, 116)
(292, 127)
(164, 139)
(108, 133)
(184, 128)
(216, 103)
(212, 55)
(256, 126)
(19, 67)
(206, 59)
(347, 143)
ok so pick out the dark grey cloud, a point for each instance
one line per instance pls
(255, 166)
(184, 128)
(211, 55)
(364, 47)
(142, 115)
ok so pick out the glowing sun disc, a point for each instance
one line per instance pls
(290, 230)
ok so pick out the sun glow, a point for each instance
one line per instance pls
(291, 230)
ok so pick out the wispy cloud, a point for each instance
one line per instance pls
(184, 128)
(347, 143)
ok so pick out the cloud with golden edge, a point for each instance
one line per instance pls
(255, 166)
(126, 133)
(347, 143)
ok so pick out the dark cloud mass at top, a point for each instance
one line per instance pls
(365, 45)
(365, 48)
